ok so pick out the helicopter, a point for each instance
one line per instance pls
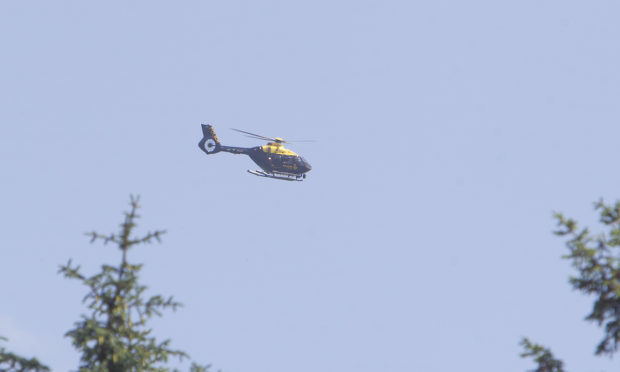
(275, 161)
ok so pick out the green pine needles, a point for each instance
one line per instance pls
(597, 261)
(543, 357)
(11, 362)
(114, 336)
(596, 258)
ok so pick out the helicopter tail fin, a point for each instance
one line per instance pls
(209, 142)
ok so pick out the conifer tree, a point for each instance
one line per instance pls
(542, 356)
(11, 362)
(113, 336)
(596, 258)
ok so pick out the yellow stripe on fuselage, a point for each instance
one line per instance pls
(277, 148)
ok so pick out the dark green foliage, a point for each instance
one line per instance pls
(597, 260)
(113, 336)
(199, 368)
(10, 362)
(542, 356)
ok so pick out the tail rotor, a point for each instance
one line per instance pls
(209, 142)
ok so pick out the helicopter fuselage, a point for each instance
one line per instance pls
(273, 158)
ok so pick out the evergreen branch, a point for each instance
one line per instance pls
(542, 356)
(597, 261)
(11, 362)
(94, 236)
(148, 238)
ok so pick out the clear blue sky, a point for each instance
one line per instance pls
(421, 241)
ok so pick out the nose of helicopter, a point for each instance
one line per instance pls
(306, 164)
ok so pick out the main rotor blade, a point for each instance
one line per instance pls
(254, 135)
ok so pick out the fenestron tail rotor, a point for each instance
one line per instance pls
(209, 142)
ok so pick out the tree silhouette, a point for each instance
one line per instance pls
(11, 362)
(596, 258)
(113, 336)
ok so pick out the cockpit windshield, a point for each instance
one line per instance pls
(305, 162)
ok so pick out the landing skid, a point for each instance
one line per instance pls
(278, 176)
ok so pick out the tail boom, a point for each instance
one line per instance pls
(235, 150)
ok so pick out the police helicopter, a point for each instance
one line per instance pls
(275, 161)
